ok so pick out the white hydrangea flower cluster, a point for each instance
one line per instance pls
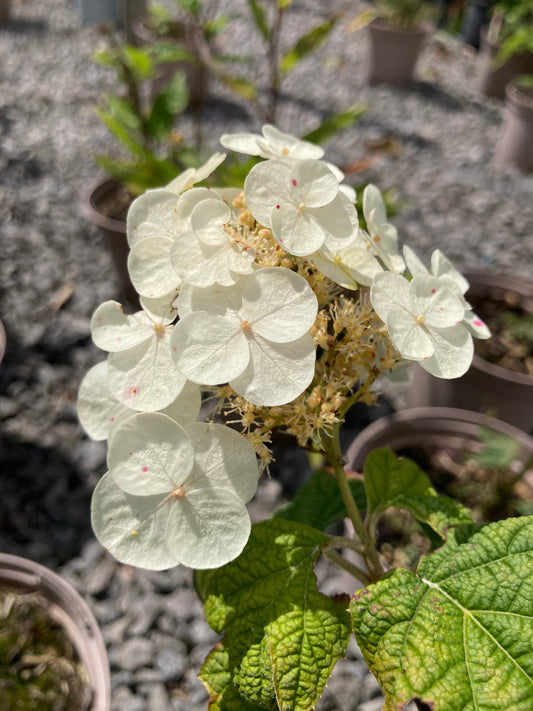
(234, 290)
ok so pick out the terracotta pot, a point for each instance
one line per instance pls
(440, 426)
(96, 208)
(393, 52)
(5, 6)
(196, 74)
(72, 612)
(486, 387)
(515, 146)
(492, 81)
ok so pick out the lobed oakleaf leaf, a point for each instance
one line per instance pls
(459, 633)
(319, 503)
(398, 481)
(282, 637)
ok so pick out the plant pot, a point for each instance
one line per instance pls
(195, 74)
(486, 387)
(393, 52)
(129, 11)
(5, 8)
(492, 81)
(106, 207)
(94, 11)
(452, 429)
(65, 606)
(515, 145)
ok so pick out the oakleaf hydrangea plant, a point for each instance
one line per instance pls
(277, 309)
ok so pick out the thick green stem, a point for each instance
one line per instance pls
(339, 560)
(366, 547)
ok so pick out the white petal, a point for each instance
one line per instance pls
(223, 458)
(241, 143)
(297, 231)
(265, 187)
(279, 304)
(214, 299)
(349, 267)
(150, 454)
(117, 524)
(186, 407)
(441, 266)
(339, 222)
(207, 528)
(439, 305)
(161, 309)
(277, 372)
(145, 378)
(150, 269)
(209, 349)
(152, 215)
(207, 221)
(389, 292)
(414, 264)
(312, 183)
(477, 327)
(454, 350)
(409, 337)
(113, 330)
(98, 409)
(289, 146)
(373, 206)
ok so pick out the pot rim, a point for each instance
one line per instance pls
(443, 420)
(509, 282)
(89, 206)
(72, 611)
(382, 25)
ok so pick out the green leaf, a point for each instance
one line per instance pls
(319, 503)
(282, 637)
(399, 482)
(305, 45)
(216, 676)
(163, 52)
(239, 85)
(129, 139)
(336, 123)
(259, 16)
(459, 633)
(167, 105)
(499, 450)
(139, 60)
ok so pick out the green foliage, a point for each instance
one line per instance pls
(512, 28)
(338, 122)
(459, 633)
(520, 325)
(319, 503)
(307, 44)
(282, 637)
(400, 483)
(498, 451)
(405, 13)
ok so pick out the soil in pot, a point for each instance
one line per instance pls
(40, 668)
(511, 325)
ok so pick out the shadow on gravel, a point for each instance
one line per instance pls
(21, 26)
(45, 504)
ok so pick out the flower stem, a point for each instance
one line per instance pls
(366, 547)
(339, 560)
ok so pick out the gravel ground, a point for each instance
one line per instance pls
(54, 271)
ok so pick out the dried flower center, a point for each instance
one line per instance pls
(420, 319)
(159, 329)
(179, 492)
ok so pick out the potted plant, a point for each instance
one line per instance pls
(5, 8)
(396, 31)
(483, 462)
(52, 652)
(515, 144)
(287, 313)
(506, 47)
(145, 128)
(499, 381)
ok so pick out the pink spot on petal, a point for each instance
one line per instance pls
(278, 207)
(112, 419)
(457, 323)
(294, 182)
(281, 240)
(119, 338)
(145, 469)
(174, 348)
(478, 322)
(441, 308)
(433, 291)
